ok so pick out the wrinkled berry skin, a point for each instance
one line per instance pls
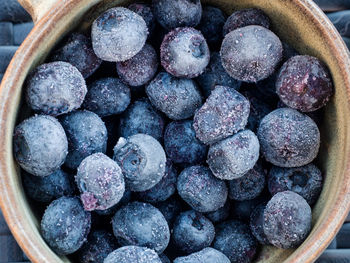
(225, 112)
(141, 224)
(181, 144)
(184, 52)
(107, 96)
(45, 189)
(177, 13)
(170, 208)
(304, 83)
(234, 156)
(251, 53)
(177, 98)
(135, 254)
(142, 117)
(246, 17)
(192, 232)
(142, 160)
(118, 34)
(288, 138)
(201, 190)
(233, 238)
(257, 224)
(65, 225)
(140, 69)
(145, 11)
(215, 75)
(77, 50)
(206, 255)
(305, 181)
(221, 214)
(287, 220)
(40, 145)
(98, 246)
(86, 133)
(55, 88)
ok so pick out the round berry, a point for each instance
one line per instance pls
(257, 224)
(145, 11)
(135, 254)
(206, 255)
(221, 214)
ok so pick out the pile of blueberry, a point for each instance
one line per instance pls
(145, 150)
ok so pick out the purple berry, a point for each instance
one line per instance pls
(221, 214)
(251, 53)
(257, 224)
(145, 11)
(288, 138)
(206, 255)
(184, 52)
(135, 254)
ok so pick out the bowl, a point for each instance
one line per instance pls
(300, 23)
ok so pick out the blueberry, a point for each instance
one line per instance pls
(305, 181)
(251, 53)
(107, 96)
(287, 220)
(225, 112)
(55, 88)
(177, 98)
(65, 225)
(140, 69)
(288, 138)
(257, 224)
(192, 232)
(234, 156)
(98, 246)
(207, 255)
(135, 254)
(215, 75)
(265, 90)
(201, 190)
(142, 160)
(77, 50)
(112, 210)
(164, 258)
(181, 144)
(170, 209)
(177, 13)
(118, 34)
(48, 188)
(249, 186)
(184, 52)
(40, 145)
(141, 224)
(221, 214)
(145, 11)
(141, 117)
(234, 239)
(246, 17)
(87, 134)
(304, 83)
(242, 210)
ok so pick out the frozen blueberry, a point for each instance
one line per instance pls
(304, 83)
(234, 156)
(141, 117)
(177, 98)
(145, 11)
(142, 160)
(257, 224)
(77, 50)
(141, 68)
(48, 188)
(181, 144)
(87, 134)
(65, 225)
(164, 258)
(221, 214)
(246, 17)
(242, 210)
(201, 190)
(192, 232)
(288, 138)
(112, 210)
(141, 224)
(164, 189)
(215, 75)
(170, 209)
(207, 255)
(40, 145)
(134, 254)
(249, 186)
(305, 181)
(177, 13)
(234, 239)
(225, 112)
(184, 52)
(287, 220)
(98, 246)
(118, 34)
(55, 88)
(251, 53)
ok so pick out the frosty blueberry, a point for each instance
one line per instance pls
(221, 214)
(257, 224)
(242, 210)
(207, 255)
(129, 254)
(112, 210)
(145, 11)
(170, 208)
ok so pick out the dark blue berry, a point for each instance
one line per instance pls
(133, 254)
(145, 11)
(207, 255)
(257, 224)
(111, 211)
(170, 209)
(242, 210)
(221, 214)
